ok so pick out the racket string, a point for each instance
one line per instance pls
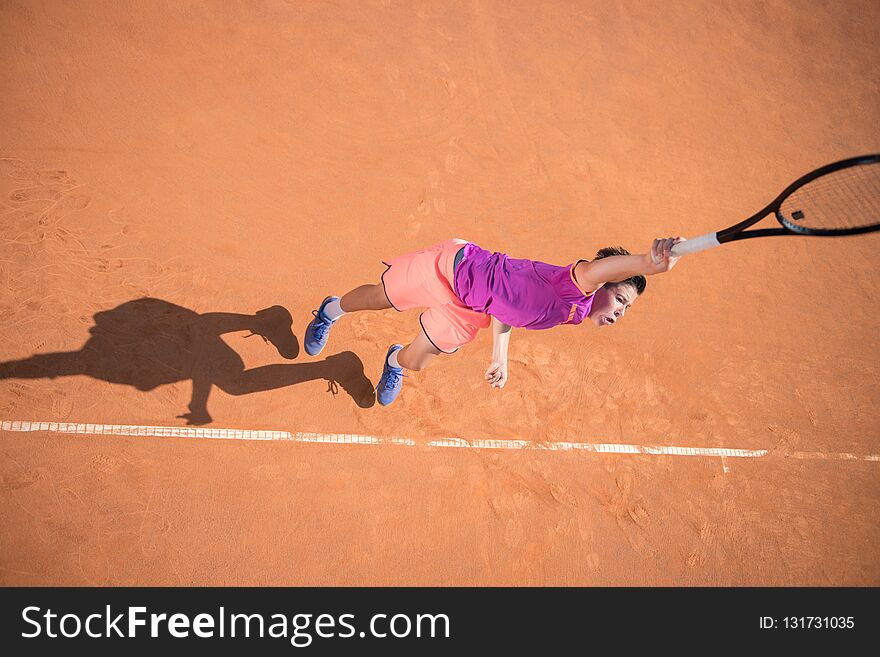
(841, 200)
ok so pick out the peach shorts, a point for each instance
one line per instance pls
(424, 279)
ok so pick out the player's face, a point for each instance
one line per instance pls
(611, 304)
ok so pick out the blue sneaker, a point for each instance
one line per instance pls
(318, 329)
(391, 381)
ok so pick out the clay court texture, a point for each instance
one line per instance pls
(169, 169)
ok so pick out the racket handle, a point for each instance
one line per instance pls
(701, 243)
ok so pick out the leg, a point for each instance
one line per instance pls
(418, 354)
(365, 297)
(344, 368)
(414, 356)
(272, 324)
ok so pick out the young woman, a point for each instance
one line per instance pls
(465, 288)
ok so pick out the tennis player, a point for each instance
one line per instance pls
(465, 288)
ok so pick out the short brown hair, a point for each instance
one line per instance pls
(638, 282)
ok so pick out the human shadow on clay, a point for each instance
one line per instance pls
(148, 342)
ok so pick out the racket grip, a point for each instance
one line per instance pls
(701, 243)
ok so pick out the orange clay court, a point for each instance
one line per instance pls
(169, 170)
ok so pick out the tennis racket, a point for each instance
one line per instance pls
(842, 198)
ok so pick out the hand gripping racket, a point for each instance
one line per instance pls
(842, 198)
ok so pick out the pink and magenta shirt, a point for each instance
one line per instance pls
(522, 293)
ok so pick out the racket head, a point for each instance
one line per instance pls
(842, 198)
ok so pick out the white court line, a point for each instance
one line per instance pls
(358, 439)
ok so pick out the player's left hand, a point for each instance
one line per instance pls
(496, 375)
(660, 258)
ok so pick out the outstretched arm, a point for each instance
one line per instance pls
(496, 375)
(594, 274)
